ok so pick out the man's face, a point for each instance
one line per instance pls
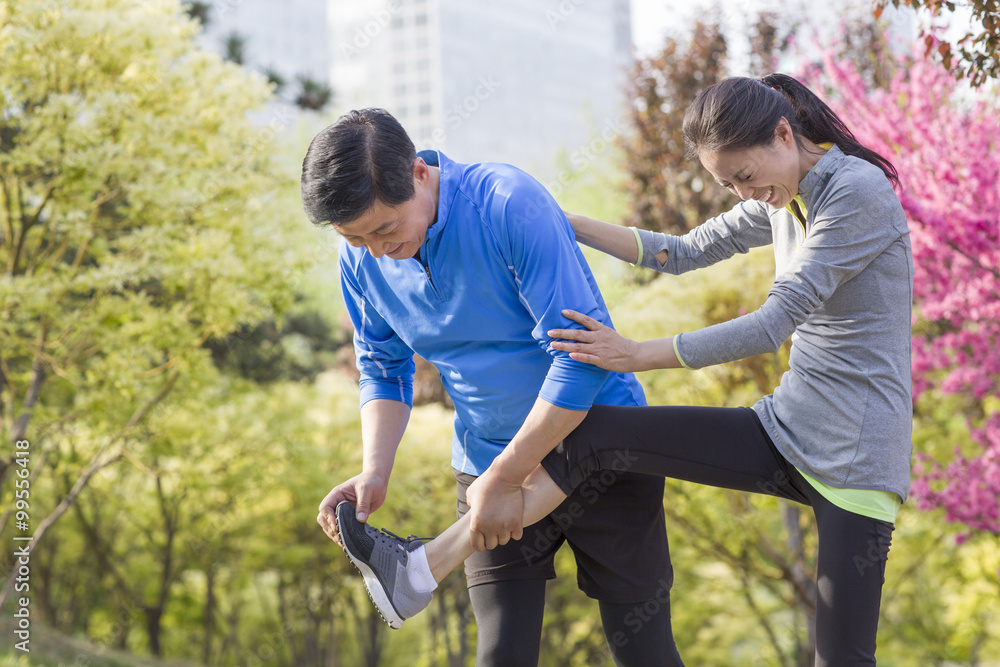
(396, 231)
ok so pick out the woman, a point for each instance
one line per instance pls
(835, 434)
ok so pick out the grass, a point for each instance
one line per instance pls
(50, 648)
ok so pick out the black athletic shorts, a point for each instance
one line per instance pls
(613, 522)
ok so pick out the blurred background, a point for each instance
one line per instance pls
(177, 381)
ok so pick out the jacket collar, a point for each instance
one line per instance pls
(451, 173)
(817, 176)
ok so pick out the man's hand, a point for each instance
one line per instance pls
(497, 509)
(365, 491)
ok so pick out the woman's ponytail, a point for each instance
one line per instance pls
(818, 123)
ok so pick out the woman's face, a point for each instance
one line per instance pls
(768, 174)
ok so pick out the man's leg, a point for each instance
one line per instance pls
(641, 634)
(617, 531)
(508, 622)
(507, 590)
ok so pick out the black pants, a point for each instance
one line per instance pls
(615, 526)
(728, 448)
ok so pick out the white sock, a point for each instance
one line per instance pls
(418, 570)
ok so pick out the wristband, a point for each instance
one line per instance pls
(638, 243)
(677, 353)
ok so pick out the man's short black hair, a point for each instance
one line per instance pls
(363, 158)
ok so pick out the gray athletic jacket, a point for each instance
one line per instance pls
(843, 291)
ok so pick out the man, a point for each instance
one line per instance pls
(469, 266)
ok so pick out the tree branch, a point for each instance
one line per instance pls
(30, 398)
(95, 466)
(763, 619)
(101, 552)
(16, 247)
(28, 224)
(8, 226)
(982, 267)
(144, 409)
(6, 405)
(37, 377)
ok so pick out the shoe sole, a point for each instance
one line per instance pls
(373, 585)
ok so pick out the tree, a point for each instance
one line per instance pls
(978, 55)
(235, 46)
(313, 94)
(135, 226)
(668, 193)
(275, 78)
(946, 152)
(199, 11)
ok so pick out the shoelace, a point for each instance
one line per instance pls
(400, 543)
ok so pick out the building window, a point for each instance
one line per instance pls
(421, 19)
(424, 86)
(423, 64)
(399, 89)
(425, 109)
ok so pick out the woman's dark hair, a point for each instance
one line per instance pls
(363, 158)
(738, 113)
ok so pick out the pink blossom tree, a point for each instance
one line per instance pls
(947, 152)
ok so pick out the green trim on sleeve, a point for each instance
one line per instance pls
(638, 243)
(677, 353)
(872, 503)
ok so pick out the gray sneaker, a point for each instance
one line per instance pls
(381, 559)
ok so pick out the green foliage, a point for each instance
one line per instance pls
(313, 94)
(166, 312)
(668, 193)
(200, 11)
(235, 46)
(136, 219)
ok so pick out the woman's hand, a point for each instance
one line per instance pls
(599, 345)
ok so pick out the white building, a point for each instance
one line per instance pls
(513, 81)
(289, 37)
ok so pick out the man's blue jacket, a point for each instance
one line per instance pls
(494, 272)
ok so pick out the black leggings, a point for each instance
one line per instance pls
(728, 448)
(509, 627)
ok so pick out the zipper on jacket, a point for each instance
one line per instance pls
(427, 272)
